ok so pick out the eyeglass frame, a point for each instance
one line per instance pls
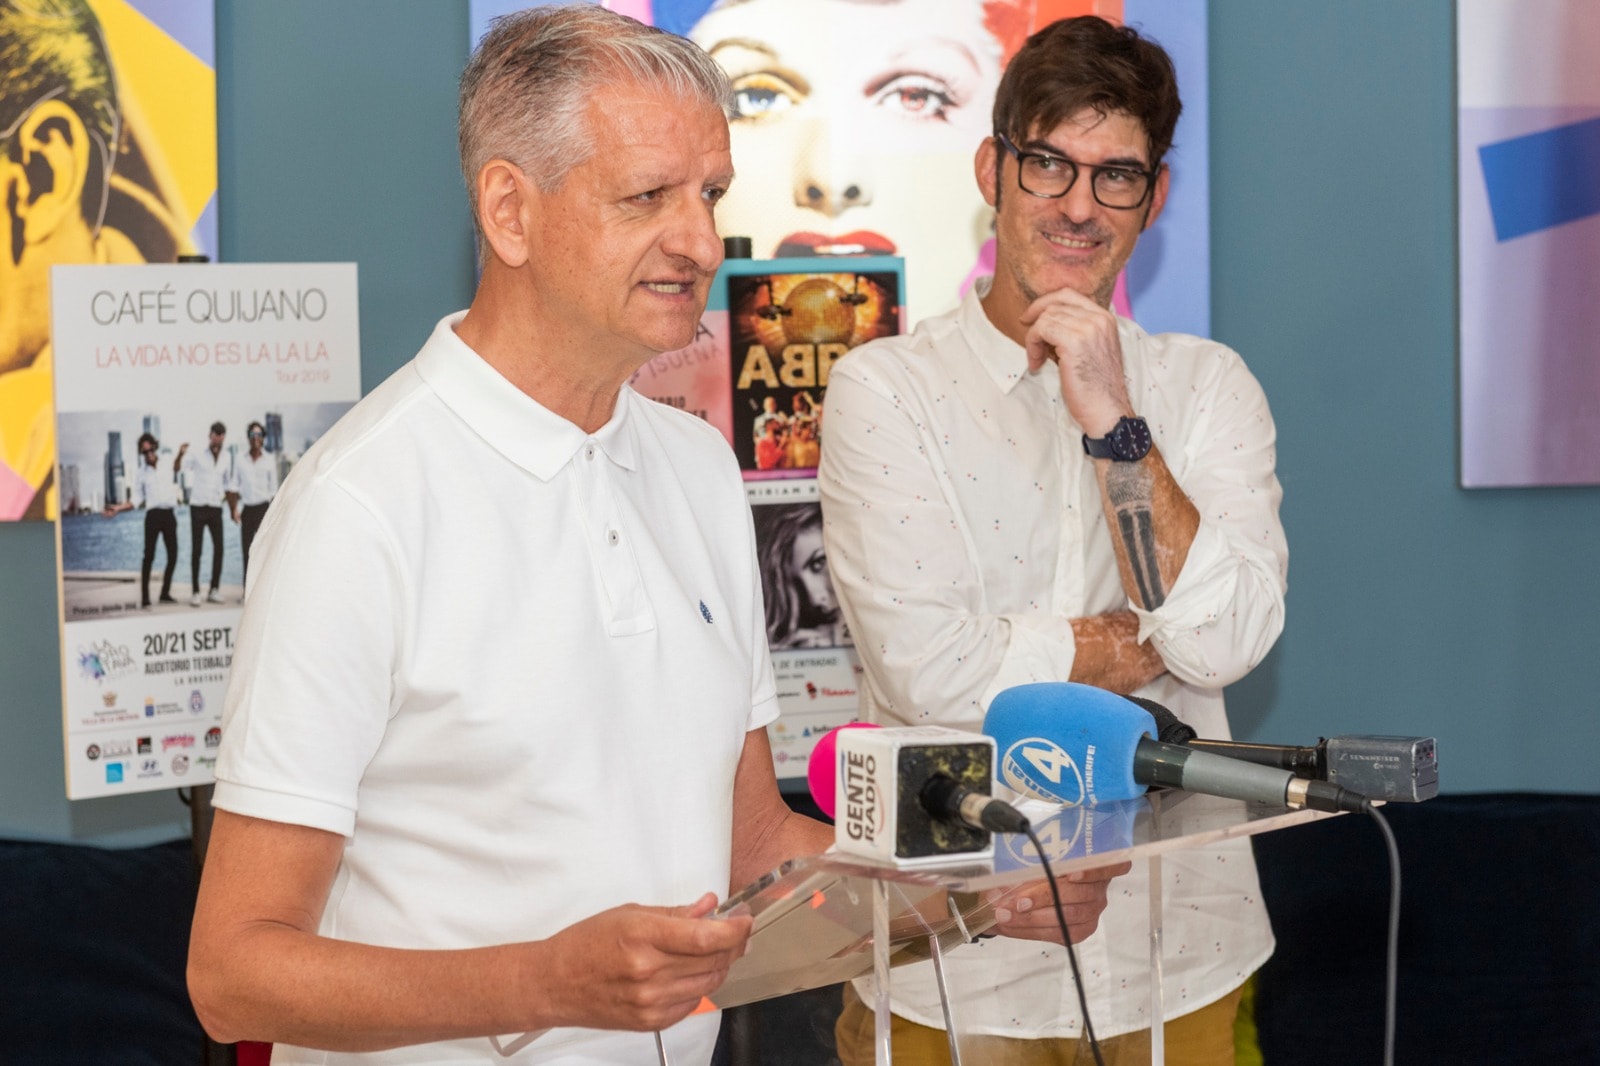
(1094, 170)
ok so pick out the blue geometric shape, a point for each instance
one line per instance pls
(1543, 179)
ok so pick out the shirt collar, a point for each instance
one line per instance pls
(508, 419)
(1002, 358)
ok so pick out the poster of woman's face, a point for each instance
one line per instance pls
(802, 610)
(854, 123)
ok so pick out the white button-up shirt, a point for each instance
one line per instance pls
(153, 486)
(209, 476)
(965, 530)
(256, 480)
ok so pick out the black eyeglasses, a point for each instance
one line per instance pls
(1051, 176)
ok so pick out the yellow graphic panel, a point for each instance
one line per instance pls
(108, 154)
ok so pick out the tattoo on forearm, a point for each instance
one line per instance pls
(1130, 489)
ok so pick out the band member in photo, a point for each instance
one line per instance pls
(769, 414)
(209, 476)
(156, 492)
(772, 447)
(255, 482)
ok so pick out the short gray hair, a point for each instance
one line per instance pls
(526, 87)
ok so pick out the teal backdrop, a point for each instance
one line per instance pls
(1415, 607)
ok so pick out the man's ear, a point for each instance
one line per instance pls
(983, 169)
(1158, 197)
(506, 202)
(56, 150)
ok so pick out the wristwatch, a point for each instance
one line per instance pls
(1128, 442)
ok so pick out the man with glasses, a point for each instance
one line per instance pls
(156, 491)
(255, 482)
(1029, 488)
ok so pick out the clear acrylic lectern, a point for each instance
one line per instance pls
(828, 918)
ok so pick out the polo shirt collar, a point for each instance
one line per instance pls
(508, 419)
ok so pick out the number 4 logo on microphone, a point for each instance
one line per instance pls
(1042, 768)
(1049, 761)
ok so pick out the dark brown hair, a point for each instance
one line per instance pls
(1087, 62)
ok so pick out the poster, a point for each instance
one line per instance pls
(758, 371)
(854, 128)
(1529, 183)
(184, 395)
(788, 329)
(108, 154)
(856, 121)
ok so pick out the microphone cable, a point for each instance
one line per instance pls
(1392, 948)
(1066, 941)
(1391, 951)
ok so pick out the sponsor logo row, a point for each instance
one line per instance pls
(143, 758)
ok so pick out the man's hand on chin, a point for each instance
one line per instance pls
(1081, 336)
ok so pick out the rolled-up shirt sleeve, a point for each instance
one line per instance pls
(1226, 608)
(965, 528)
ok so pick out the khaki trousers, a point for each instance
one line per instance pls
(1202, 1038)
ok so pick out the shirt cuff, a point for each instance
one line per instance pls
(1040, 648)
(273, 806)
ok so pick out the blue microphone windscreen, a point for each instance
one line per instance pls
(1067, 743)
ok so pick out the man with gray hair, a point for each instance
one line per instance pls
(473, 793)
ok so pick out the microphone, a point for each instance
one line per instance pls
(1400, 769)
(1077, 744)
(909, 795)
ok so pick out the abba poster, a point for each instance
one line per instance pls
(185, 394)
(758, 371)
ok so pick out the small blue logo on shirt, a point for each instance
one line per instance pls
(113, 773)
(705, 612)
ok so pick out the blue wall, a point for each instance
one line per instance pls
(1415, 607)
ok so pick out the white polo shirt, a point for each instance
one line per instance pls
(512, 662)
